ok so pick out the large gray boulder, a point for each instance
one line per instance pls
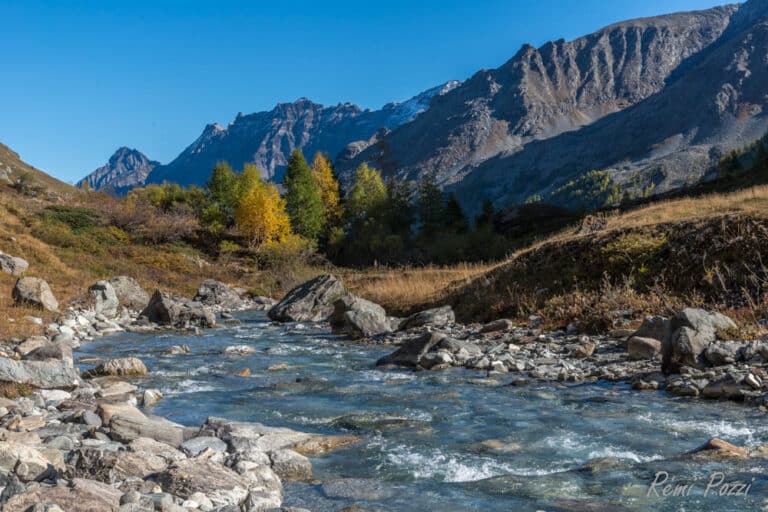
(180, 313)
(12, 265)
(309, 302)
(656, 327)
(104, 298)
(123, 366)
(47, 374)
(411, 352)
(129, 292)
(359, 318)
(215, 293)
(437, 317)
(33, 291)
(81, 495)
(113, 466)
(643, 348)
(693, 330)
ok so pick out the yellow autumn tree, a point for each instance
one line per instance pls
(261, 215)
(329, 190)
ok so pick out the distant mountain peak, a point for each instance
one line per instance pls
(126, 168)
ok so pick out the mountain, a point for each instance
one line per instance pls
(127, 168)
(14, 172)
(477, 129)
(268, 138)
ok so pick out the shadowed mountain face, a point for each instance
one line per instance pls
(127, 168)
(540, 94)
(268, 138)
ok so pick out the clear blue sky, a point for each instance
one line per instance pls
(81, 78)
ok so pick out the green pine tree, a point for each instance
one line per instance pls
(431, 207)
(303, 198)
(455, 220)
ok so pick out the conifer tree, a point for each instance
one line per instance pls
(368, 194)
(455, 220)
(431, 207)
(304, 203)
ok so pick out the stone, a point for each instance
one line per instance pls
(150, 397)
(357, 489)
(655, 327)
(12, 265)
(584, 349)
(291, 465)
(180, 313)
(113, 466)
(265, 491)
(502, 324)
(718, 448)
(215, 293)
(727, 387)
(318, 445)
(242, 436)
(126, 428)
(124, 366)
(33, 291)
(359, 318)
(48, 374)
(82, 496)
(104, 298)
(309, 302)
(437, 317)
(177, 350)
(28, 464)
(412, 350)
(30, 344)
(754, 381)
(129, 293)
(112, 389)
(60, 351)
(639, 348)
(219, 484)
(147, 446)
(722, 353)
(239, 350)
(196, 445)
(693, 330)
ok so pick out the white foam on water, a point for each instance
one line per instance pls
(380, 376)
(187, 386)
(722, 428)
(570, 444)
(445, 468)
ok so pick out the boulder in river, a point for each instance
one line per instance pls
(180, 313)
(123, 366)
(33, 291)
(359, 318)
(12, 265)
(218, 294)
(129, 292)
(411, 352)
(643, 348)
(309, 302)
(436, 317)
(105, 298)
(692, 332)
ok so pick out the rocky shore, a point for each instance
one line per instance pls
(77, 441)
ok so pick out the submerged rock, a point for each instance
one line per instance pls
(309, 302)
(718, 448)
(33, 291)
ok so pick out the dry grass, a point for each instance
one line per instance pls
(401, 290)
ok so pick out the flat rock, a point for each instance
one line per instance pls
(437, 317)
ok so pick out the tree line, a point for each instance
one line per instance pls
(374, 222)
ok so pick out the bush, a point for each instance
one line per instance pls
(78, 218)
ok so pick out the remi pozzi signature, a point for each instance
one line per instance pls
(664, 486)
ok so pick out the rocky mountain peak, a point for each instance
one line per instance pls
(126, 168)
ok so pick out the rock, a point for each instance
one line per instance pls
(129, 293)
(721, 354)
(412, 350)
(124, 366)
(215, 293)
(502, 324)
(12, 265)
(31, 344)
(116, 389)
(105, 299)
(48, 374)
(242, 436)
(290, 465)
(317, 445)
(49, 351)
(655, 327)
(219, 484)
(754, 381)
(81, 496)
(183, 314)
(584, 349)
(437, 317)
(126, 428)
(359, 318)
(113, 467)
(643, 348)
(147, 446)
(265, 491)
(436, 360)
(33, 291)
(592, 224)
(55, 395)
(719, 448)
(177, 350)
(150, 397)
(239, 350)
(726, 387)
(357, 489)
(692, 332)
(196, 445)
(309, 302)
(28, 464)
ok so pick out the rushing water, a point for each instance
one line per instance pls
(453, 440)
